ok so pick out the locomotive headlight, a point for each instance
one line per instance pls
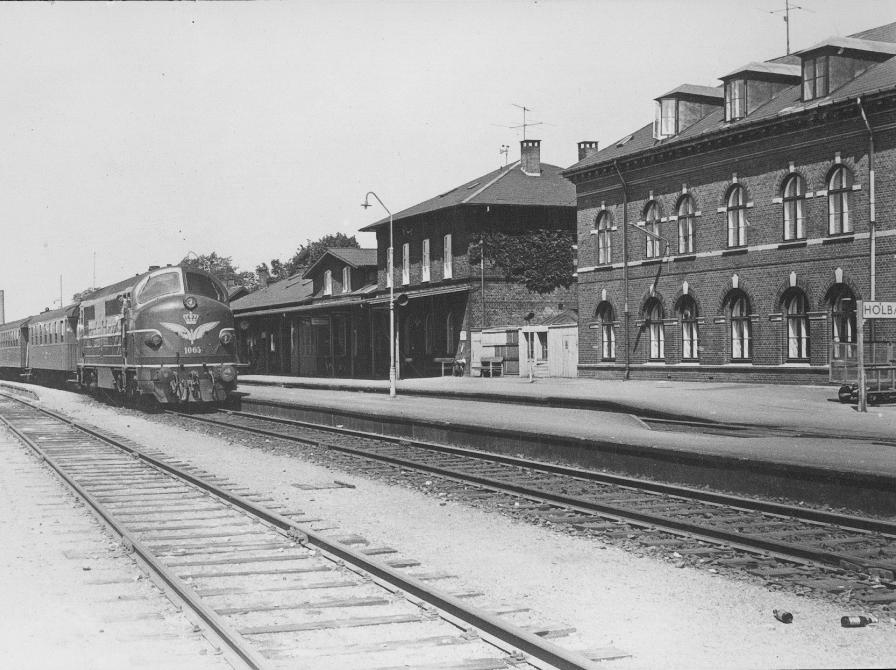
(228, 373)
(154, 340)
(190, 302)
(226, 337)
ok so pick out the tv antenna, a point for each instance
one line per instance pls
(526, 123)
(786, 17)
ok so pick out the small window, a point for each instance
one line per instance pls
(735, 99)
(607, 318)
(815, 77)
(839, 192)
(425, 262)
(843, 323)
(406, 263)
(741, 329)
(328, 282)
(686, 218)
(796, 307)
(346, 279)
(448, 259)
(656, 331)
(652, 228)
(156, 286)
(604, 240)
(737, 216)
(794, 193)
(690, 336)
(666, 123)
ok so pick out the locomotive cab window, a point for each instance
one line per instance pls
(156, 286)
(200, 284)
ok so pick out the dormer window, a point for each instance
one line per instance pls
(735, 99)
(749, 87)
(666, 124)
(838, 60)
(815, 77)
(682, 107)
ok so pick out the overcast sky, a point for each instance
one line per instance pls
(142, 132)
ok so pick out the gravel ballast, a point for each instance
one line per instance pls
(664, 614)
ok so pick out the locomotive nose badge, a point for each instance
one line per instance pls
(190, 302)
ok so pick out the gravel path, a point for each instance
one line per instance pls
(663, 615)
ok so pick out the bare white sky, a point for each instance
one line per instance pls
(144, 131)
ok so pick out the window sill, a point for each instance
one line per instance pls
(688, 257)
(734, 252)
(792, 245)
(740, 361)
(797, 363)
(651, 261)
(838, 238)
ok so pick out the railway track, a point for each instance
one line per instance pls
(268, 591)
(813, 549)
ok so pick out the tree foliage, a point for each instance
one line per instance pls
(308, 254)
(541, 259)
(83, 295)
(223, 268)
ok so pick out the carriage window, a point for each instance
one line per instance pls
(204, 285)
(159, 285)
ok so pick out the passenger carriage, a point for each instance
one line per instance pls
(13, 348)
(52, 347)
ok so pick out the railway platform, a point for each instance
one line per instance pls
(796, 442)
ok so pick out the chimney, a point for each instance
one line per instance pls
(530, 157)
(2, 307)
(587, 148)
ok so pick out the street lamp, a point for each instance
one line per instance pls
(391, 280)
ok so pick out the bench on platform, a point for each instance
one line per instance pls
(492, 366)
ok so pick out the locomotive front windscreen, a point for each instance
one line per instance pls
(200, 284)
(158, 285)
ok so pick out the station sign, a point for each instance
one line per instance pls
(878, 310)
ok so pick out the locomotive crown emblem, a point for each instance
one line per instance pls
(190, 334)
(191, 318)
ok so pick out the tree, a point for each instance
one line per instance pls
(541, 259)
(307, 254)
(223, 268)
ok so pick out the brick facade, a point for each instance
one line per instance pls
(768, 269)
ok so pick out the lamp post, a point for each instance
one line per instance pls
(391, 280)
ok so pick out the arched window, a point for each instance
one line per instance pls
(607, 318)
(737, 216)
(604, 243)
(652, 226)
(794, 193)
(741, 328)
(686, 225)
(839, 190)
(843, 321)
(655, 330)
(796, 308)
(690, 337)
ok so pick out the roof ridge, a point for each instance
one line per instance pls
(500, 175)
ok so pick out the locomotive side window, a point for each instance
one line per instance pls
(204, 285)
(159, 285)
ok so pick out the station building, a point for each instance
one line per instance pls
(448, 302)
(732, 237)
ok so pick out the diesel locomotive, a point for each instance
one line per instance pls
(165, 336)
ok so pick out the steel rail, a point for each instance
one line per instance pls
(529, 643)
(231, 638)
(742, 541)
(751, 504)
